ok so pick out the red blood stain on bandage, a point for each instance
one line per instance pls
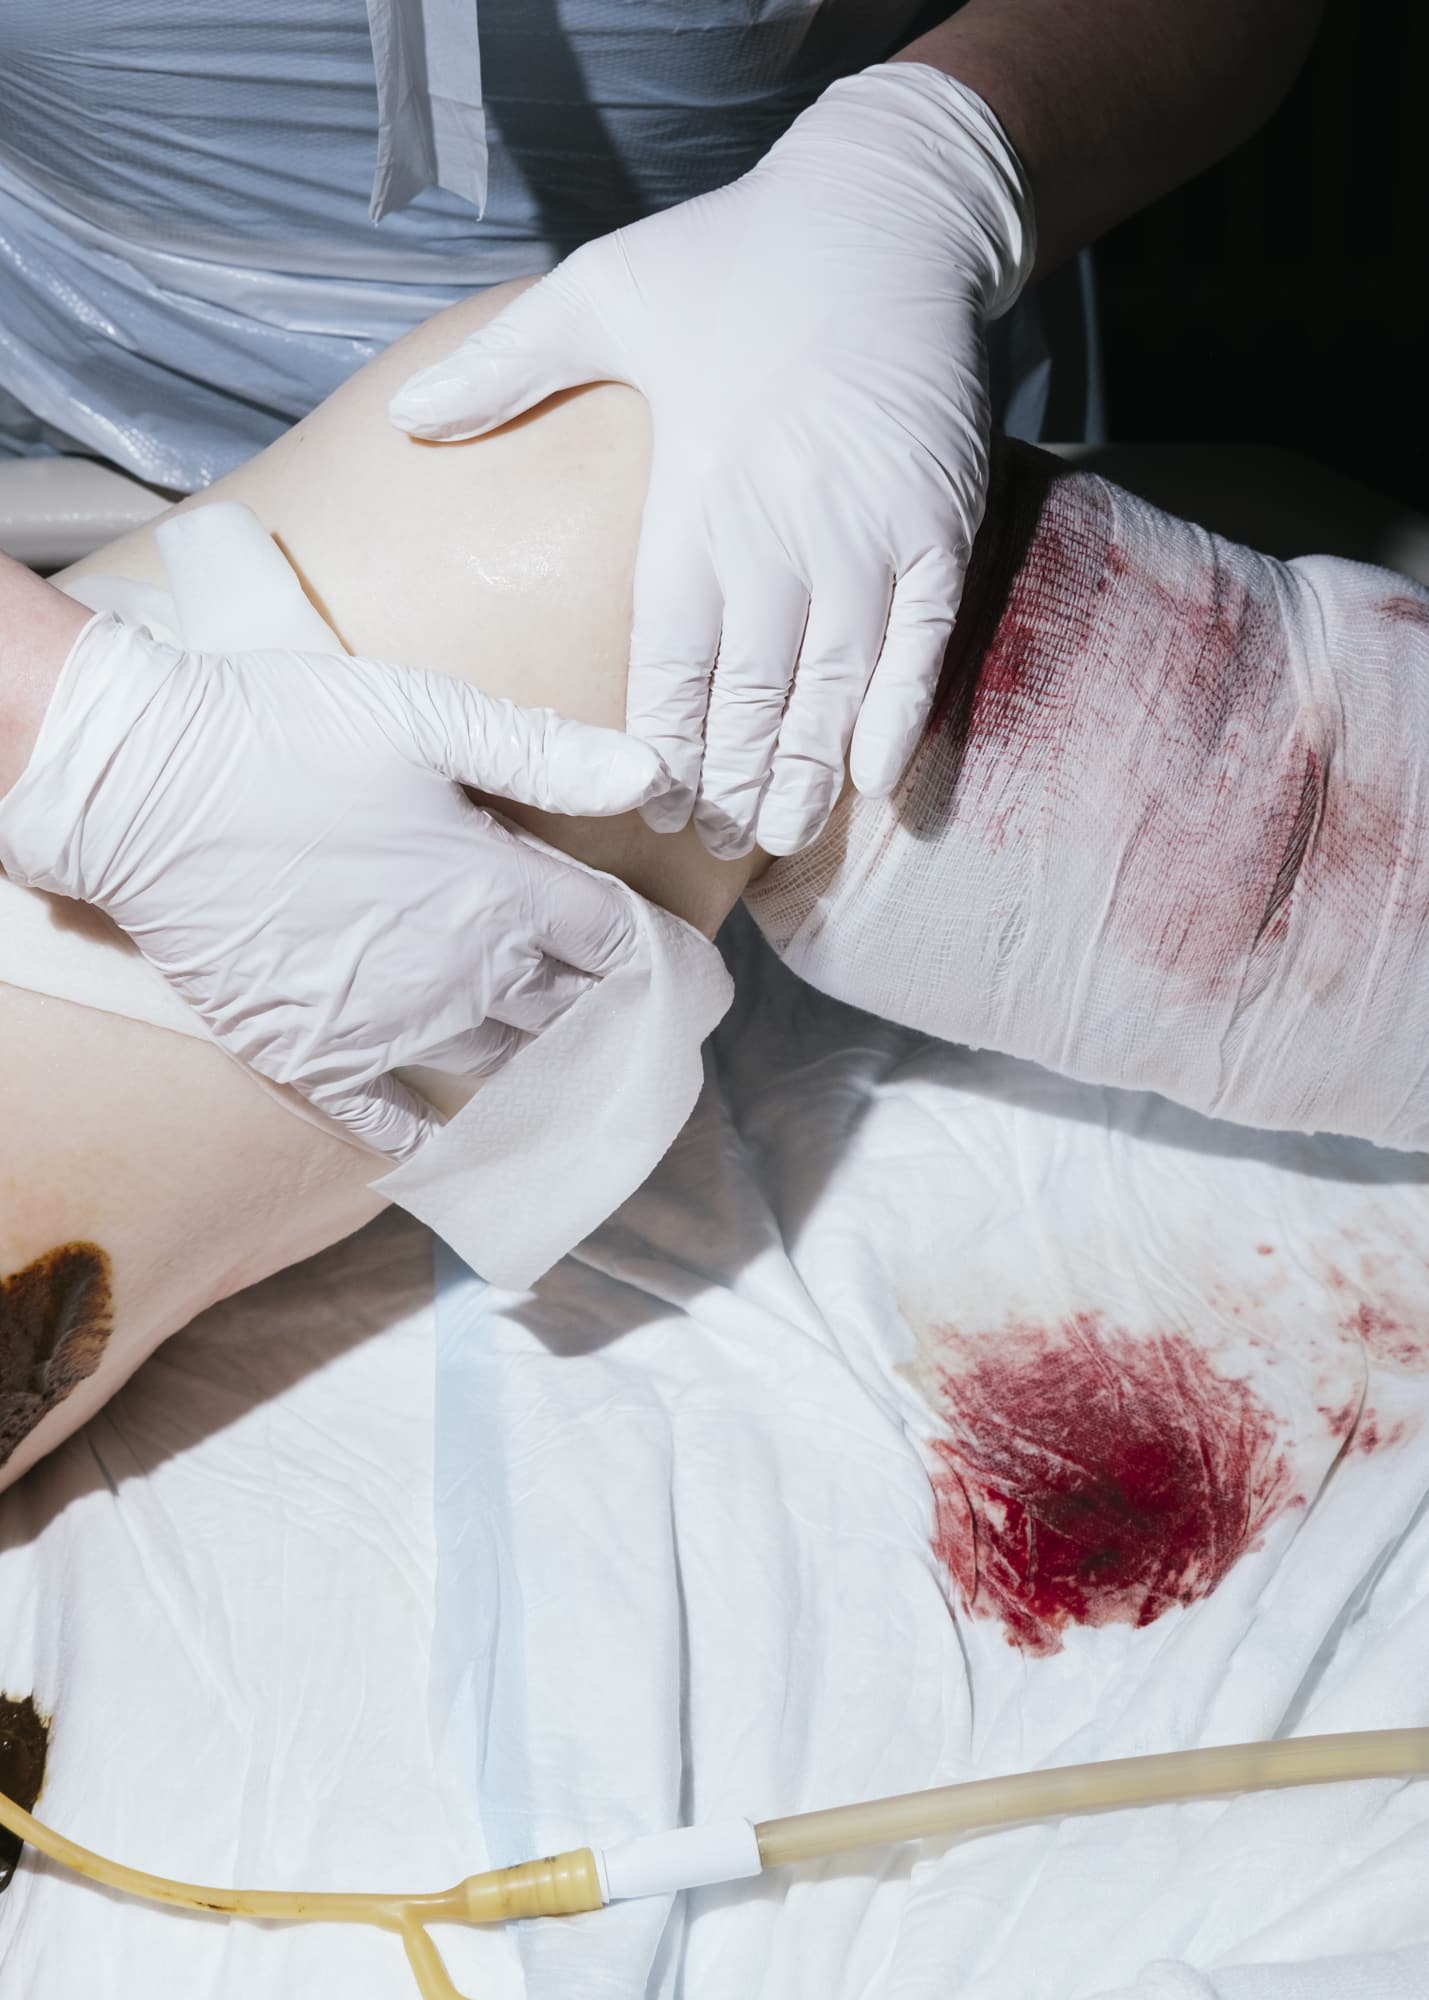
(1118, 683)
(1090, 1477)
(1401, 608)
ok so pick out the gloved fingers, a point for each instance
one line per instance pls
(582, 921)
(530, 754)
(548, 339)
(674, 638)
(582, 927)
(848, 617)
(900, 694)
(479, 1052)
(766, 608)
(383, 1114)
(537, 1000)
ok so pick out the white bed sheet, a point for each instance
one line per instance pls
(223, 1588)
(692, 1564)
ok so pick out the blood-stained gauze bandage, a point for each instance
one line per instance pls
(1168, 828)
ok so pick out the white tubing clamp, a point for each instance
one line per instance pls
(724, 1851)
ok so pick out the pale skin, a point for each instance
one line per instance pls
(508, 562)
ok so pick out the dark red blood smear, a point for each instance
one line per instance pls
(1369, 1437)
(1364, 1431)
(1079, 681)
(1389, 1337)
(1091, 1477)
(1402, 609)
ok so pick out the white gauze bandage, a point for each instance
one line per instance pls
(1168, 829)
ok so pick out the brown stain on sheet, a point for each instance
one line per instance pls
(24, 1748)
(55, 1320)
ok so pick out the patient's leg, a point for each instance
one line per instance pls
(507, 561)
(1168, 828)
(143, 1177)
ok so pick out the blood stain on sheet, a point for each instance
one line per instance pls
(1340, 1418)
(1390, 1335)
(24, 1747)
(1364, 1431)
(55, 1319)
(1372, 1435)
(1090, 1477)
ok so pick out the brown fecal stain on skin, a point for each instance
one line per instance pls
(55, 1320)
(24, 1748)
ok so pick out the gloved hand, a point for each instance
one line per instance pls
(284, 836)
(810, 343)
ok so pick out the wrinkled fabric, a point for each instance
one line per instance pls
(431, 127)
(187, 264)
(929, 1417)
(221, 1592)
(689, 1531)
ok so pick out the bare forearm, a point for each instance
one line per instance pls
(38, 625)
(1111, 102)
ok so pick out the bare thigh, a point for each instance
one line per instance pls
(142, 1176)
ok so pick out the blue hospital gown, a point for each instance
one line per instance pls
(186, 260)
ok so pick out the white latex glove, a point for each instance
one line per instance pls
(810, 341)
(284, 837)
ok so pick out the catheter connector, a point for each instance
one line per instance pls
(560, 1885)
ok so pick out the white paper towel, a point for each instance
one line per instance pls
(535, 1157)
(554, 1142)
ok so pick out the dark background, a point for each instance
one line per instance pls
(1281, 297)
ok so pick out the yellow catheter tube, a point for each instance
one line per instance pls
(982, 1803)
(564, 1884)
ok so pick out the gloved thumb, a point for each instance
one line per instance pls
(382, 1115)
(542, 342)
(532, 755)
